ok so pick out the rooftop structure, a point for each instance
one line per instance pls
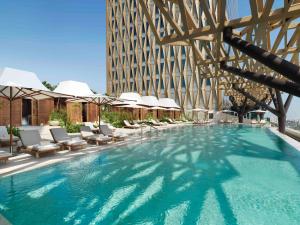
(253, 57)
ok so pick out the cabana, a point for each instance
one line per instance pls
(169, 104)
(259, 114)
(83, 94)
(77, 108)
(130, 100)
(197, 110)
(152, 103)
(16, 84)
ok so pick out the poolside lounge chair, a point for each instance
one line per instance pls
(4, 157)
(91, 126)
(5, 137)
(117, 136)
(61, 136)
(163, 123)
(130, 126)
(140, 124)
(155, 123)
(89, 136)
(171, 121)
(32, 142)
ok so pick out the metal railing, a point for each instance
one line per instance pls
(151, 127)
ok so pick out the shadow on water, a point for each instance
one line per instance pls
(156, 181)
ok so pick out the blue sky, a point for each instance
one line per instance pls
(65, 39)
(57, 39)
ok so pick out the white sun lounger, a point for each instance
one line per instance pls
(108, 132)
(61, 136)
(4, 157)
(5, 137)
(32, 142)
(89, 136)
(130, 126)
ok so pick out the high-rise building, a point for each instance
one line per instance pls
(136, 63)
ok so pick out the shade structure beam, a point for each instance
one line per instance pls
(280, 110)
(279, 84)
(252, 98)
(243, 109)
(278, 64)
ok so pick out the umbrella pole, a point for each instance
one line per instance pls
(99, 116)
(10, 121)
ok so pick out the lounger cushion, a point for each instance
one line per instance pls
(7, 139)
(119, 135)
(5, 155)
(87, 134)
(45, 148)
(74, 142)
(101, 138)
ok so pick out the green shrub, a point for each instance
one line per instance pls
(64, 121)
(59, 115)
(165, 119)
(15, 131)
(73, 128)
(149, 117)
(116, 118)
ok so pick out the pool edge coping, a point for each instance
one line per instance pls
(294, 143)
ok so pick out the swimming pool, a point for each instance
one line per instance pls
(192, 175)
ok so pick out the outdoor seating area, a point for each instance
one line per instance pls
(130, 112)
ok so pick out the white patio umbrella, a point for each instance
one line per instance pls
(259, 111)
(132, 106)
(199, 110)
(15, 84)
(227, 111)
(158, 108)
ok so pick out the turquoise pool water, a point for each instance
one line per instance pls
(193, 175)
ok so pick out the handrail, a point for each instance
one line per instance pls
(152, 126)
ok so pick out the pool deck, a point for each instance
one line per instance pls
(289, 140)
(25, 162)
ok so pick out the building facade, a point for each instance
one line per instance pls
(136, 63)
